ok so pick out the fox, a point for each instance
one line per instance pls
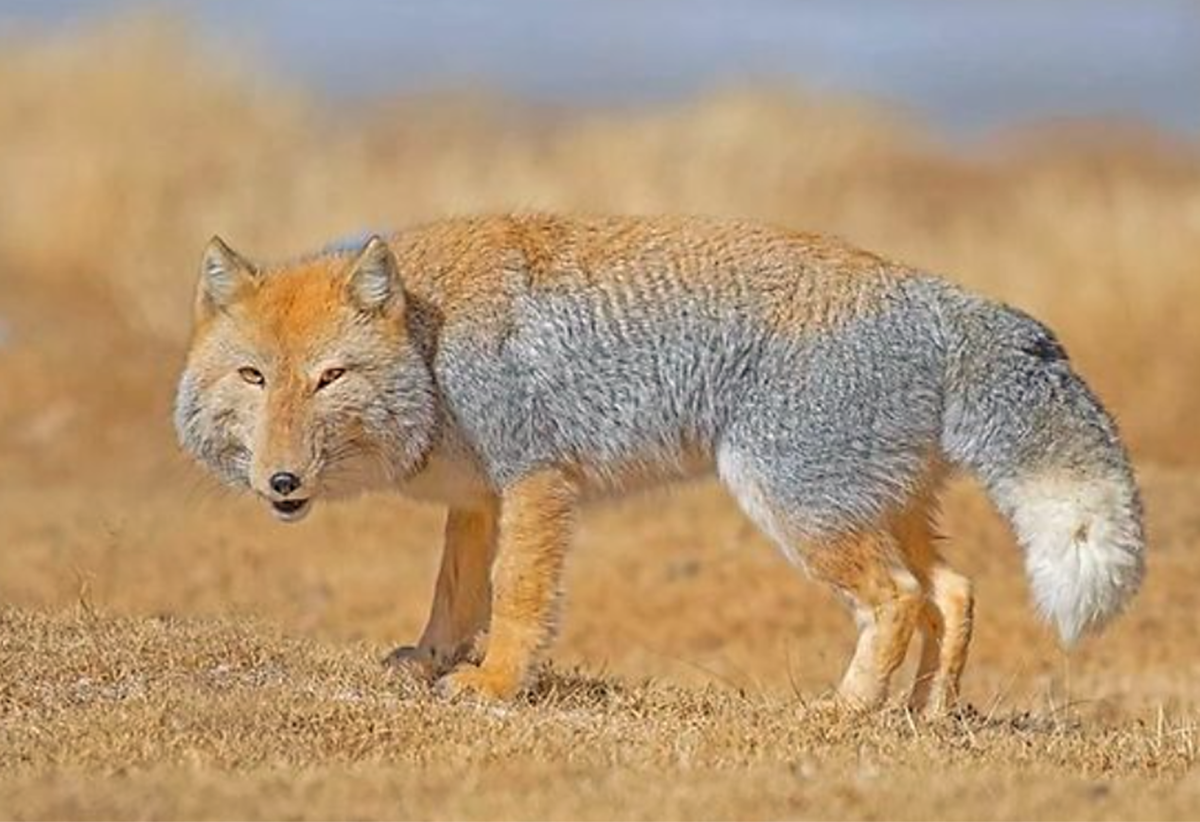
(511, 367)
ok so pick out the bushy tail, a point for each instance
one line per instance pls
(1021, 419)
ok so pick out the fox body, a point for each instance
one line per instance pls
(511, 366)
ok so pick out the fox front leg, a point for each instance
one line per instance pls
(536, 515)
(462, 599)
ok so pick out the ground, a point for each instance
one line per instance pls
(168, 650)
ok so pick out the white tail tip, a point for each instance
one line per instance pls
(1084, 548)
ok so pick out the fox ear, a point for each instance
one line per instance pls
(224, 275)
(373, 282)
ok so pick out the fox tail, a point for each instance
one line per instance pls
(1024, 422)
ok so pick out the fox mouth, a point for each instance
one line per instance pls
(290, 510)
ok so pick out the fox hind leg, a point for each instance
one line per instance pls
(886, 597)
(946, 613)
(867, 568)
(946, 637)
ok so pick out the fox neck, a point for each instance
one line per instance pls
(448, 475)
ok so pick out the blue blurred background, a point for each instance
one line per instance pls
(968, 67)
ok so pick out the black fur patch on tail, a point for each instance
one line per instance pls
(1043, 345)
(1046, 349)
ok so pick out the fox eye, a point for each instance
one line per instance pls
(330, 375)
(251, 375)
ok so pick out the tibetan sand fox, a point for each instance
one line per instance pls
(509, 367)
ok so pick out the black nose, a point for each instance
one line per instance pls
(284, 483)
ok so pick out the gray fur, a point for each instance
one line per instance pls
(839, 426)
(820, 431)
(818, 434)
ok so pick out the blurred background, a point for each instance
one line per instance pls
(1045, 153)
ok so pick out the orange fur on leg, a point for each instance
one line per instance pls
(536, 515)
(945, 620)
(947, 637)
(868, 571)
(462, 600)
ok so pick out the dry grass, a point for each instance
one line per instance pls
(102, 713)
(163, 694)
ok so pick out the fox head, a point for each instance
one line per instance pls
(303, 381)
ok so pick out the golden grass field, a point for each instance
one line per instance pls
(168, 650)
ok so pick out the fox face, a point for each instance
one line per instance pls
(303, 381)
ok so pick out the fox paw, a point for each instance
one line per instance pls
(478, 683)
(412, 660)
(430, 661)
(836, 705)
(408, 655)
(939, 702)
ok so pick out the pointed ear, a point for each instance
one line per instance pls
(373, 281)
(224, 276)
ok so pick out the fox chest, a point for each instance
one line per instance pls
(447, 479)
